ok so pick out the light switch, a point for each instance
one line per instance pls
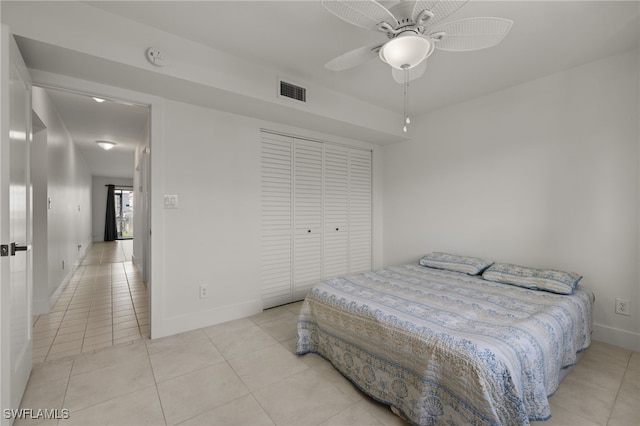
(170, 201)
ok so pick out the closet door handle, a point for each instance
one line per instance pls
(309, 231)
(337, 229)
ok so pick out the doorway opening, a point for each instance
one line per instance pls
(107, 280)
(123, 200)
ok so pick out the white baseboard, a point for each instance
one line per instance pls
(56, 294)
(192, 321)
(82, 255)
(617, 337)
(137, 262)
(40, 306)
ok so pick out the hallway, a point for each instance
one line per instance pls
(105, 303)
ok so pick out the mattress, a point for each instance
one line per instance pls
(444, 347)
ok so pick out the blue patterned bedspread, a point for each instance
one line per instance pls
(444, 347)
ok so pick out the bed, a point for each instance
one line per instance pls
(444, 347)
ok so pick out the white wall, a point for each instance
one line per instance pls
(99, 202)
(212, 162)
(186, 150)
(544, 174)
(193, 72)
(141, 209)
(40, 213)
(69, 188)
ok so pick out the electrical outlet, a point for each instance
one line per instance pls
(622, 307)
(204, 292)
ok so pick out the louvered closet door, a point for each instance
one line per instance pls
(336, 211)
(307, 207)
(359, 210)
(277, 219)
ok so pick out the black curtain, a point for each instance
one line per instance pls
(110, 228)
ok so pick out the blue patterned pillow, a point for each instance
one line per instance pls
(550, 280)
(455, 263)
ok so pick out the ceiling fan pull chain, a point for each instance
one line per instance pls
(406, 99)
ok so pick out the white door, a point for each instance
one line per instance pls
(15, 224)
(336, 211)
(277, 213)
(307, 214)
(360, 252)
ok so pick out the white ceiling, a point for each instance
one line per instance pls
(297, 38)
(88, 121)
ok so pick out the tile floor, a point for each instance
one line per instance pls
(244, 372)
(104, 303)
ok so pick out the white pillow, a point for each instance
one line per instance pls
(455, 263)
(551, 280)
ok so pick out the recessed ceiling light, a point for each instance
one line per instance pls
(98, 100)
(106, 145)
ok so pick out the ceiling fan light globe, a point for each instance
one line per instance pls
(406, 50)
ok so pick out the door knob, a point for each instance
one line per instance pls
(16, 247)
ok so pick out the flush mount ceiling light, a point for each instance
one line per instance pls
(106, 145)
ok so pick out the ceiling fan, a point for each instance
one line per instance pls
(413, 34)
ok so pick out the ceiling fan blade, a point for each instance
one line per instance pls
(440, 9)
(365, 14)
(353, 58)
(415, 72)
(470, 34)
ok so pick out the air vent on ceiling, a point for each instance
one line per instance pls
(292, 91)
